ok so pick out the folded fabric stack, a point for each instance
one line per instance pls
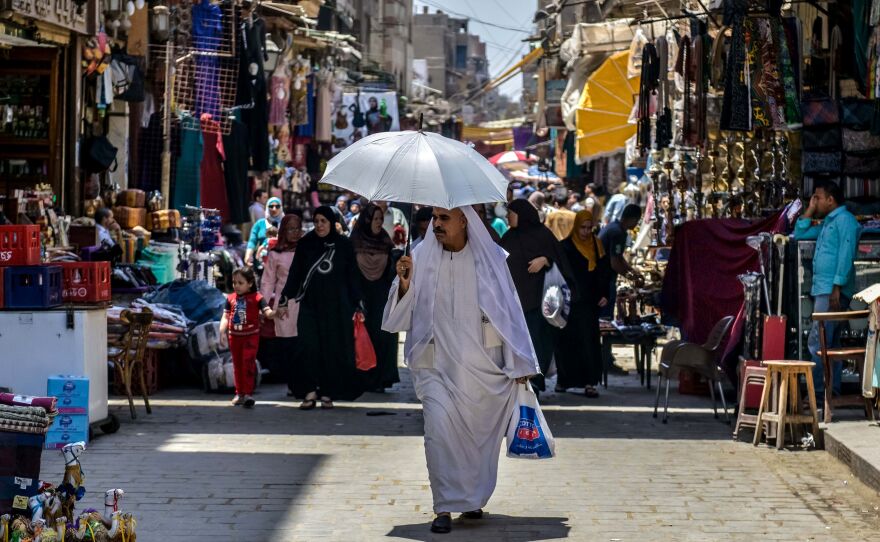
(21, 414)
(168, 329)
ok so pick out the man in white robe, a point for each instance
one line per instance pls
(467, 347)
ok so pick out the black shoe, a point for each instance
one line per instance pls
(473, 514)
(442, 524)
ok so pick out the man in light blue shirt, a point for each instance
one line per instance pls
(834, 280)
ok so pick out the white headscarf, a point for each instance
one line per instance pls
(497, 296)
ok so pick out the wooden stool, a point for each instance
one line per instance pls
(787, 372)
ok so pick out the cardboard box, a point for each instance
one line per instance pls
(67, 428)
(72, 392)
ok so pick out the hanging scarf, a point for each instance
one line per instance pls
(372, 251)
(648, 84)
(591, 249)
(283, 244)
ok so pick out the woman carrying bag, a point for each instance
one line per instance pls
(533, 251)
(372, 249)
(282, 348)
(579, 352)
(324, 280)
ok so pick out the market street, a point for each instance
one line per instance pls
(198, 469)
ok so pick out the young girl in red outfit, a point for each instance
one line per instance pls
(241, 320)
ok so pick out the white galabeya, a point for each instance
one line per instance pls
(416, 167)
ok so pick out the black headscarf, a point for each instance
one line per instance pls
(526, 213)
(327, 212)
(530, 239)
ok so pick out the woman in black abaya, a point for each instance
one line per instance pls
(372, 249)
(579, 352)
(325, 280)
(533, 250)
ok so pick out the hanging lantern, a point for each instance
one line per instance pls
(160, 23)
(113, 6)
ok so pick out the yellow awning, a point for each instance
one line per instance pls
(604, 109)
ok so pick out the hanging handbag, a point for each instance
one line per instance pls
(822, 162)
(364, 353)
(856, 113)
(820, 112)
(99, 155)
(859, 140)
(864, 164)
(827, 138)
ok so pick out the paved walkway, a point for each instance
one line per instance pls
(199, 470)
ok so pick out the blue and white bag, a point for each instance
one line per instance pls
(528, 436)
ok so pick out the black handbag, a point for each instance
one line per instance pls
(856, 113)
(827, 138)
(99, 155)
(128, 79)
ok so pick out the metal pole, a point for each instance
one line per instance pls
(166, 126)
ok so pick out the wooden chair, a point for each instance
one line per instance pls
(130, 356)
(831, 355)
(702, 359)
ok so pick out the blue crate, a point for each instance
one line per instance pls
(33, 287)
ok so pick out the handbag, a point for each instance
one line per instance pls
(556, 301)
(856, 113)
(822, 162)
(528, 435)
(862, 164)
(820, 112)
(364, 353)
(99, 155)
(860, 140)
(826, 138)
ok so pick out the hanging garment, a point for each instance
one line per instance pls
(279, 92)
(736, 110)
(299, 106)
(861, 35)
(207, 26)
(790, 87)
(235, 172)
(251, 91)
(307, 129)
(187, 183)
(150, 155)
(768, 96)
(213, 182)
(325, 86)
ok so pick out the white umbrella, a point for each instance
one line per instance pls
(416, 167)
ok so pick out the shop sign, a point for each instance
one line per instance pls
(61, 13)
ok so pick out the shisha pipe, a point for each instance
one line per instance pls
(758, 242)
(654, 173)
(751, 293)
(698, 183)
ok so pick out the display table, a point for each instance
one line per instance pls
(643, 344)
(71, 341)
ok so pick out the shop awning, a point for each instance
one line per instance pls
(487, 136)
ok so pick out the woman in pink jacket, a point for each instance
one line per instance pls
(274, 278)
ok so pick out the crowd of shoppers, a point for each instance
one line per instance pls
(317, 283)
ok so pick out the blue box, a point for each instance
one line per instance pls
(72, 392)
(67, 428)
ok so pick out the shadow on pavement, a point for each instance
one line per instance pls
(491, 527)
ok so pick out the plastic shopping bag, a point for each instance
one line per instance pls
(364, 353)
(528, 436)
(556, 303)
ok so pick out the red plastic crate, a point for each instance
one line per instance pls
(19, 245)
(86, 282)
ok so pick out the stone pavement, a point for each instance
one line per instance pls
(199, 470)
